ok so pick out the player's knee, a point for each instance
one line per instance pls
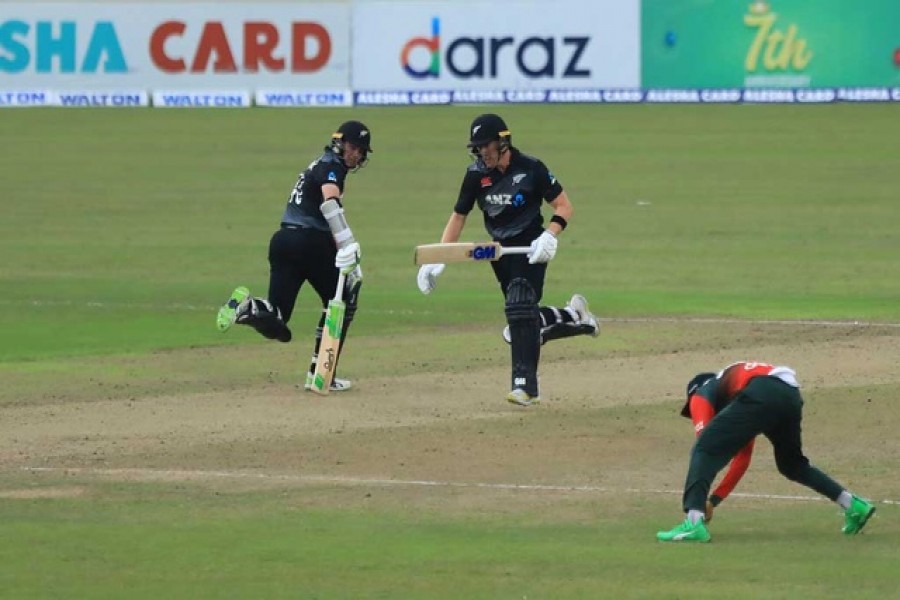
(793, 468)
(521, 301)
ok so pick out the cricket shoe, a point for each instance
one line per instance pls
(585, 324)
(579, 304)
(237, 304)
(522, 398)
(337, 384)
(856, 517)
(685, 532)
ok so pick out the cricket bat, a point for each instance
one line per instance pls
(465, 252)
(331, 341)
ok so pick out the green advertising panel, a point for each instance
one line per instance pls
(776, 44)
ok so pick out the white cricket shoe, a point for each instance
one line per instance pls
(579, 304)
(337, 384)
(522, 398)
(589, 325)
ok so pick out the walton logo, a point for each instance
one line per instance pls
(535, 57)
(779, 49)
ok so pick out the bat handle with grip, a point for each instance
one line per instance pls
(515, 250)
(339, 292)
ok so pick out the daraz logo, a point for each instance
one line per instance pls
(432, 44)
(535, 57)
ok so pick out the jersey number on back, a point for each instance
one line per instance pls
(297, 192)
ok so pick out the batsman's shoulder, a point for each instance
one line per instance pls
(476, 168)
(530, 159)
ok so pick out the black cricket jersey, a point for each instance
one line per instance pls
(511, 201)
(303, 207)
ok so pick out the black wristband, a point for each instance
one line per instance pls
(559, 221)
(714, 500)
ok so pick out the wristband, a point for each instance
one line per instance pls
(714, 500)
(559, 221)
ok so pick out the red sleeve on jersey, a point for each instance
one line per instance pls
(701, 412)
(736, 470)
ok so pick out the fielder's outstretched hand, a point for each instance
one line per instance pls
(427, 277)
(543, 248)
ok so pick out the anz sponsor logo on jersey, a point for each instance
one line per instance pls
(498, 199)
(505, 199)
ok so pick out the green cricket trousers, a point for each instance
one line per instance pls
(767, 406)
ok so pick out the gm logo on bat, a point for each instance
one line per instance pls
(483, 253)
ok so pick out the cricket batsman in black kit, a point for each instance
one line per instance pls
(309, 246)
(510, 189)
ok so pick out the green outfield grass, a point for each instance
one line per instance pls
(148, 542)
(123, 230)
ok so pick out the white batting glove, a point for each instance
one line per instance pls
(427, 277)
(347, 258)
(543, 248)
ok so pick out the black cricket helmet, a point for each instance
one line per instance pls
(692, 387)
(487, 128)
(354, 132)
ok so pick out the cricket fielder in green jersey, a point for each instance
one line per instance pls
(729, 409)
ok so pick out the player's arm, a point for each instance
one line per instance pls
(465, 202)
(454, 228)
(701, 412)
(428, 273)
(330, 190)
(347, 258)
(562, 209)
(739, 465)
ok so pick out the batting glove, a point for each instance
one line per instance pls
(354, 277)
(347, 258)
(427, 277)
(543, 248)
